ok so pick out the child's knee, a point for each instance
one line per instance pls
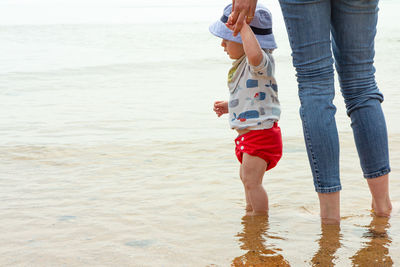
(251, 182)
(252, 171)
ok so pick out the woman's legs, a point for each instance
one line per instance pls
(252, 172)
(353, 31)
(308, 24)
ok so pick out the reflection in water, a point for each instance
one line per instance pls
(253, 240)
(328, 245)
(376, 250)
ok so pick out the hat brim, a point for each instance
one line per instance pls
(220, 30)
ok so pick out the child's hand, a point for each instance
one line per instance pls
(221, 108)
(231, 25)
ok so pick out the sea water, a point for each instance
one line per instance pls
(111, 155)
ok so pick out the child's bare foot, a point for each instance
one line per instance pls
(257, 213)
(249, 210)
(249, 213)
(330, 221)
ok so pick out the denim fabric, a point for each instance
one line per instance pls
(320, 31)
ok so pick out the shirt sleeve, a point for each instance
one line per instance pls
(265, 68)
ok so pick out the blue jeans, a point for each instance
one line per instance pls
(346, 27)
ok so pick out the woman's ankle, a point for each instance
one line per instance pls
(382, 208)
(329, 204)
(379, 188)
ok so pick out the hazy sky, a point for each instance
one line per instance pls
(33, 12)
(112, 11)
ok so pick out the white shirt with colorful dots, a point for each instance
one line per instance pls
(253, 102)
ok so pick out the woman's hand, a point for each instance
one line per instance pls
(242, 11)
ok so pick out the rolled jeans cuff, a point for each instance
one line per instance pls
(331, 189)
(377, 174)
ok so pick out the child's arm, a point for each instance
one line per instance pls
(221, 107)
(251, 46)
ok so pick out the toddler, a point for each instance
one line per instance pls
(253, 106)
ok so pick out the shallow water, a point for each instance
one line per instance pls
(116, 204)
(111, 155)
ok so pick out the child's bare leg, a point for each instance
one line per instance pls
(253, 169)
(249, 208)
(379, 188)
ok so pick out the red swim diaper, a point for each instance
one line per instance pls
(265, 144)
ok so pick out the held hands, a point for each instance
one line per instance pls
(220, 108)
(242, 11)
(251, 46)
(231, 26)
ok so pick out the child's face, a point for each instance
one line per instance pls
(233, 49)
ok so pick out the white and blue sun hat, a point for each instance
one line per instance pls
(261, 26)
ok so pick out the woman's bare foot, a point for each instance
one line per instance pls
(379, 188)
(382, 210)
